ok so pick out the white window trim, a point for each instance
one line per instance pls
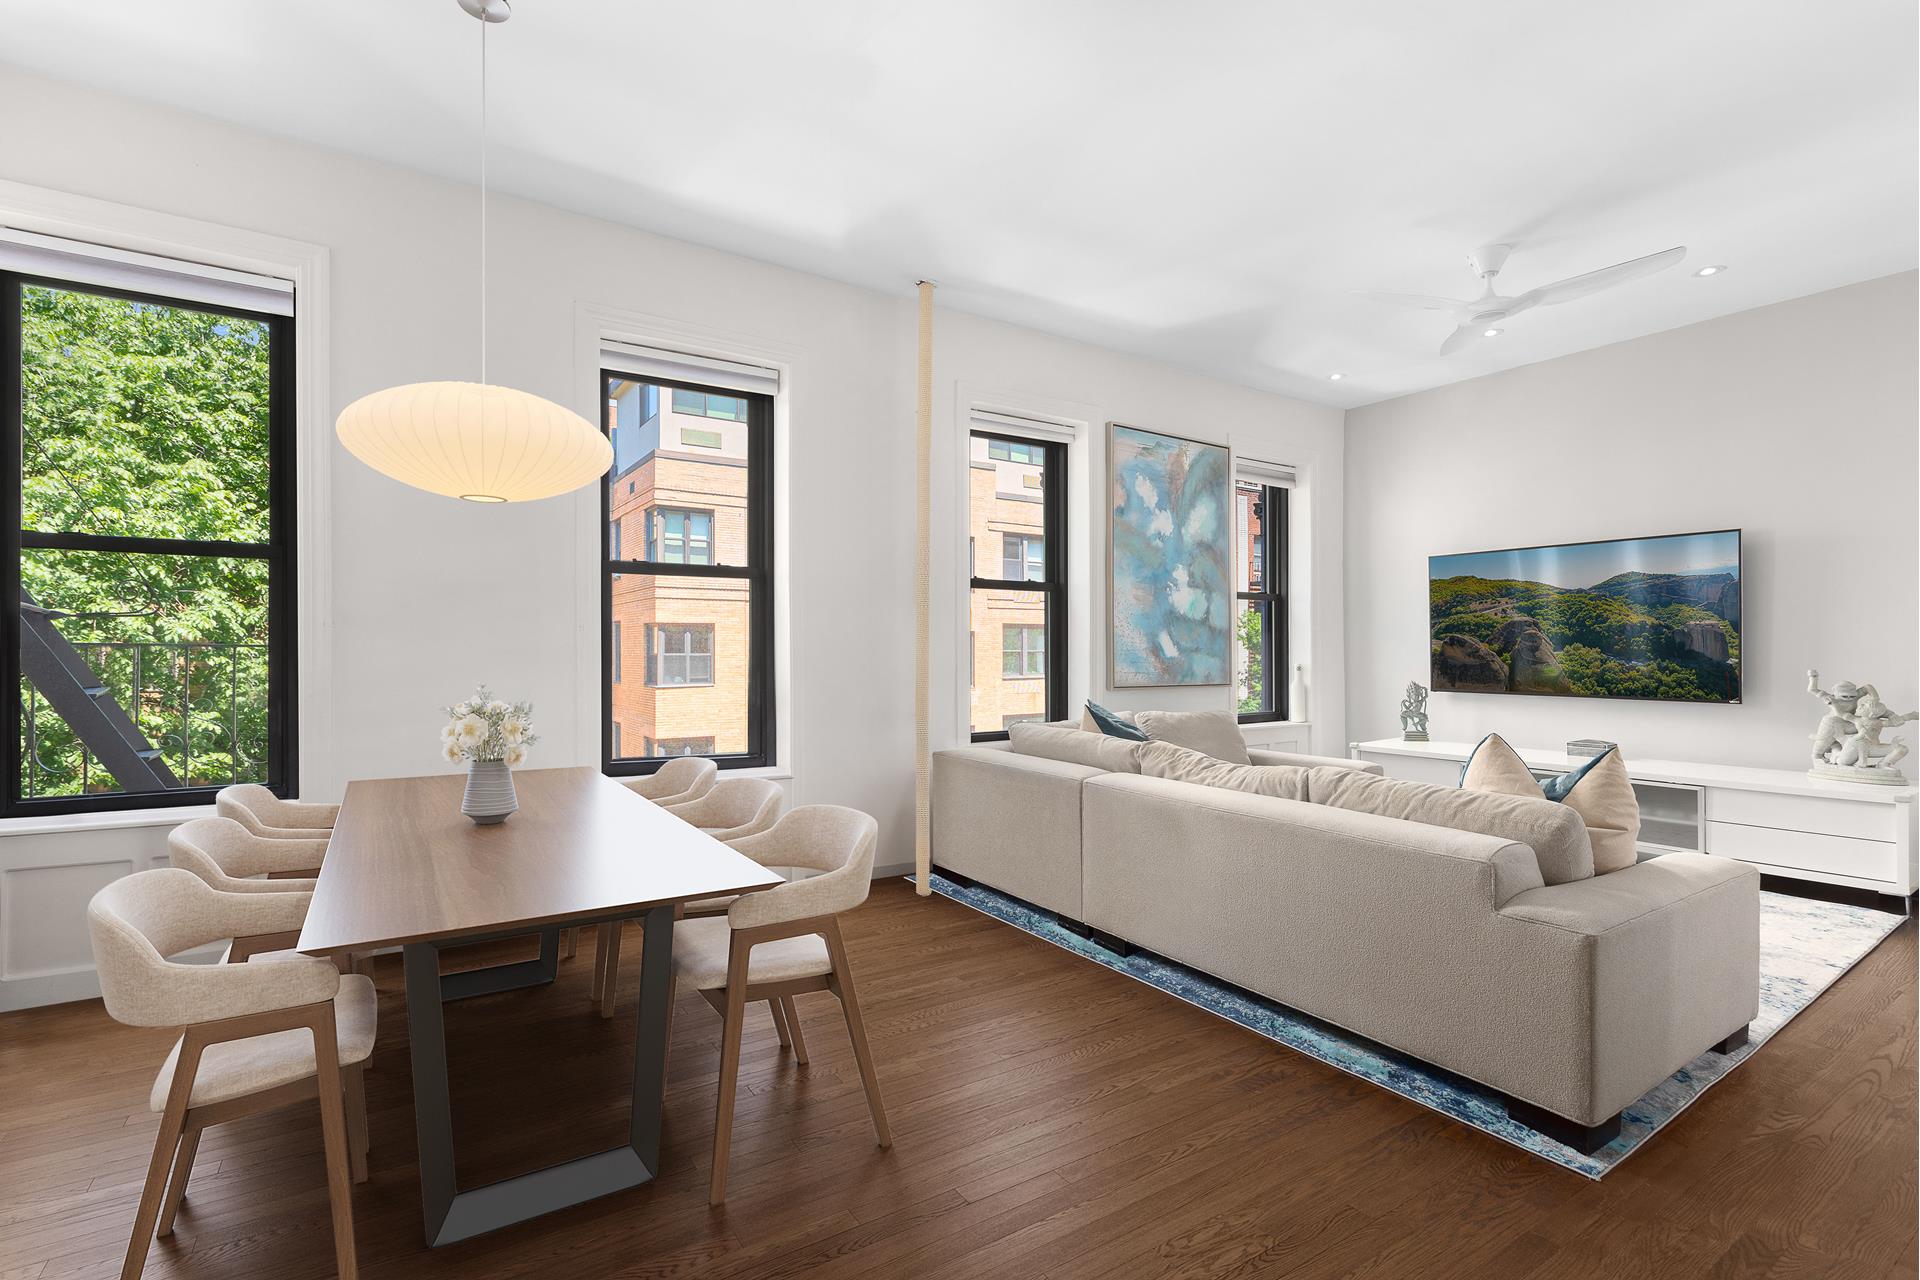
(599, 328)
(144, 231)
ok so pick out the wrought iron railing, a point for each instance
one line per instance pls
(201, 704)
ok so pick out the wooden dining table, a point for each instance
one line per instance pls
(404, 868)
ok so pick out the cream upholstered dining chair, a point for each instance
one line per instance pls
(730, 810)
(226, 856)
(679, 780)
(783, 942)
(266, 814)
(735, 807)
(256, 1036)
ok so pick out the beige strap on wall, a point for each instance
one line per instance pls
(922, 786)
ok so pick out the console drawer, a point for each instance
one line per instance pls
(1860, 820)
(1804, 851)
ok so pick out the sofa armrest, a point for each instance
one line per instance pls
(1260, 756)
(1672, 949)
(1011, 821)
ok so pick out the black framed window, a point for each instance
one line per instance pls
(1017, 516)
(1260, 626)
(147, 509)
(697, 590)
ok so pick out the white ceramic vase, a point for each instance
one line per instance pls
(489, 797)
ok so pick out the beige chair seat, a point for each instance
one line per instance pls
(235, 1068)
(700, 955)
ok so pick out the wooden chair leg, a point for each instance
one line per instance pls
(779, 1022)
(355, 1081)
(333, 1132)
(177, 1186)
(166, 1145)
(610, 979)
(735, 1015)
(857, 1032)
(569, 943)
(791, 1019)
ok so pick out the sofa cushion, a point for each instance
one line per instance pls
(1599, 791)
(1115, 724)
(1053, 742)
(1555, 834)
(1165, 760)
(1217, 733)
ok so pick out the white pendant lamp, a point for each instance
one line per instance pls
(472, 440)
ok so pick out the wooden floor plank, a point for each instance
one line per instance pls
(1052, 1118)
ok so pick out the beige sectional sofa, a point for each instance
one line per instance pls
(1572, 998)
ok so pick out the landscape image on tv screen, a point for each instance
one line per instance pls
(1632, 618)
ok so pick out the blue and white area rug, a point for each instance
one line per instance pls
(1804, 948)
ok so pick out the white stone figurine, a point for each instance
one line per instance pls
(1413, 713)
(1847, 746)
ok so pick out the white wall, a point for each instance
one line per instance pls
(982, 363)
(1794, 422)
(431, 596)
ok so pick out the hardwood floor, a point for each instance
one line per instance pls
(1051, 1119)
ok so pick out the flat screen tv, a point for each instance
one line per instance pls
(1649, 618)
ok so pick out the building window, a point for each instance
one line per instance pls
(616, 738)
(1023, 557)
(694, 584)
(680, 654)
(146, 443)
(1260, 627)
(678, 536)
(616, 658)
(1017, 515)
(708, 405)
(1023, 652)
(669, 747)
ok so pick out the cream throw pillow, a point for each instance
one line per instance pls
(1554, 833)
(1214, 733)
(1165, 760)
(1067, 742)
(1599, 791)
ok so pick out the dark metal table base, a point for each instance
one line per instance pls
(452, 1214)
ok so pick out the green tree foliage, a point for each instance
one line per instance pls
(151, 421)
(1607, 645)
(1252, 678)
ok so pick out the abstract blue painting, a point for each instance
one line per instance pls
(1172, 591)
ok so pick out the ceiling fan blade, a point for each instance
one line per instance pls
(1605, 278)
(1459, 338)
(1420, 300)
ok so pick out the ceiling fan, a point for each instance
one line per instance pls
(1482, 316)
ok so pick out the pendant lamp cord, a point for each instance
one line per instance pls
(484, 24)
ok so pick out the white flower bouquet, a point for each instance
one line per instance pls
(484, 728)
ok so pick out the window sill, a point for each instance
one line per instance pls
(56, 823)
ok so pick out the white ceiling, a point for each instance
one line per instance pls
(1207, 183)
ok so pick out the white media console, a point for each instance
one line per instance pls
(1781, 821)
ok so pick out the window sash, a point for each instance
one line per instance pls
(282, 765)
(1035, 565)
(693, 556)
(1271, 598)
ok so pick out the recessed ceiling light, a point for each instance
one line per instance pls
(1703, 272)
(1335, 377)
(1493, 333)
